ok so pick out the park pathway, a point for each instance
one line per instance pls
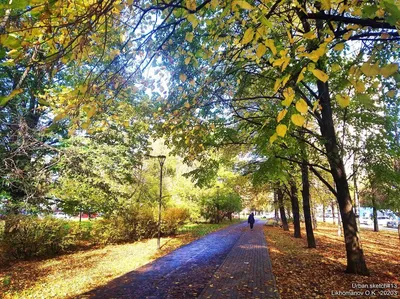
(230, 263)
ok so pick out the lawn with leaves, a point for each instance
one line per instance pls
(319, 273)
(70, 275)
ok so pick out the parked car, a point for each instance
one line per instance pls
(366, 221)
(61, 215)
(393, 223)
(383, 220)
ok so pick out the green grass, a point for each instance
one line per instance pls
(202, 229)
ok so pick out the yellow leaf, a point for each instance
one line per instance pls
(343, 100)
(288, 94)
(242, 4)
(320, 75)
(298, 120)
(339, 47)
(389, 70)
(391, 93)
(273, 138)
(15, 92)
(59, 117)
(193, 20)
(281, 115)
(281, 130)
(347, 35)
(325, 4)
(359, 86)
(187, 105)
(291, 40)
(380, 13)
(187, 60)
(335, 67)
(214, 3)
(182, 77)
(261, 49)
(309, 35)
(301, 75)
(285, 80)
(91, 111)
(277, 85)
(189, 36)
(285, 63)
(301, 106)
(271, 45)
(191, 4)
(248, 36)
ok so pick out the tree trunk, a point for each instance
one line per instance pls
(375, 215)
(282, 210)
(295, 208)
(356, 197)
(323, 213)
(306, 199)
(333, 212)
(355, 255)
(276, 204)
(339, 229)
(314, 215)
(288, 212)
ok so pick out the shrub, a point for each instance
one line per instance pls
(28, 236)
(130, 224)
(174, 218)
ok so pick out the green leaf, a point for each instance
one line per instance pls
(12, 41)
(393, 9)
(19, 4)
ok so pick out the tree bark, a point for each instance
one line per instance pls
(295, 208)
(314, 215)
(333, 212)
(305, 192)
(355, 255)
(323, 212)
(282, 209)
(375, 214)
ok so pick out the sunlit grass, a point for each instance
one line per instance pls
(314, 273)
(73, 274)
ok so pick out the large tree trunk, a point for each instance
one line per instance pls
(295, 208)
(355, 255)
(375, 214)
(282, 209)
(306, 204)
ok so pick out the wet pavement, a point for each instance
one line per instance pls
(189, 271)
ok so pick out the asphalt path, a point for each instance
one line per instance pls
(184, 273)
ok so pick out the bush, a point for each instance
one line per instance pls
(130, 224)
(173, 219)
(28, 236)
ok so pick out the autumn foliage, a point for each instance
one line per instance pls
(317, 273)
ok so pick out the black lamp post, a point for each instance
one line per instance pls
(161, 160)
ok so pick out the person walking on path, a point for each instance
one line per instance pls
(251, 220)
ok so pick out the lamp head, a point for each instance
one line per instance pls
(161, 159)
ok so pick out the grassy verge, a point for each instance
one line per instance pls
(319, 273)
(70, 275)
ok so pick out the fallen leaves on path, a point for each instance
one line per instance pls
(318, 273)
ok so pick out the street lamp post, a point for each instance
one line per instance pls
(161, 160)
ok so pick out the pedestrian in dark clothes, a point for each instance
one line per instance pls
(251, 220)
